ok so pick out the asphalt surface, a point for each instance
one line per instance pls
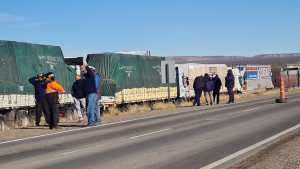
(187, 140)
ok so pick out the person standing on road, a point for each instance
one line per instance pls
(79, 97)
(209, 87)
(217, 88)
(40, 99)
(53, 88)
(91, 94)
(198, 86)
(229, 84)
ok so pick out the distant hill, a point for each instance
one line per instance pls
(278, 59)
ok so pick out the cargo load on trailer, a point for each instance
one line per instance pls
(289, 72)
(20, 61)
(131, 78)
(256, 77)
(186, 74)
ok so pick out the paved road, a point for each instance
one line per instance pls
(188, 140)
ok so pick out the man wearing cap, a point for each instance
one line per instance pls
(38, 82)
(53, 88)
(91, 92)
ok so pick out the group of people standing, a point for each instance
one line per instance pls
(86, 94)
(47, 90)
(85, 91)
(211, 86)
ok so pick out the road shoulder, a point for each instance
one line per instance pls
(282, 153)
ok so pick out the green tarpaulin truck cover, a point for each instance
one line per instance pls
(125, 71)
(20, 61)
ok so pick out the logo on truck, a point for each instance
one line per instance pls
(128, 70)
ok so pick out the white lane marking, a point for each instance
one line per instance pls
(250, 148)
(69, 152)
(247, 110)
(85, 128)
(147, 134)
(134, 137)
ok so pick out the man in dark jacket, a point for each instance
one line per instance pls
(79, 96)
(216, 92)
(209, 87)
(91, 94)
(229, 84)
(40, 100)
(198, 86)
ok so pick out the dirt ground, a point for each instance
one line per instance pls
(285, 155)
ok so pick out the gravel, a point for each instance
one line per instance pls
(285, 155)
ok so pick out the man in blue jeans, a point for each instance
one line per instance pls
(91, 92)
(98, 87)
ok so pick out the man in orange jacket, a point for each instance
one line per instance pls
(53, 88)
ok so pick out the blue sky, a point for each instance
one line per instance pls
(166, 27)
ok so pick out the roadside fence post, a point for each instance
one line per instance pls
(298, 77)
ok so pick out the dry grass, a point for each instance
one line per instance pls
(163, 106)
(131, 109)
(259, 92)
(113, 111)
(294, 90)
(272, 92)
(185, 104)
(138, 108)
(224, 98)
